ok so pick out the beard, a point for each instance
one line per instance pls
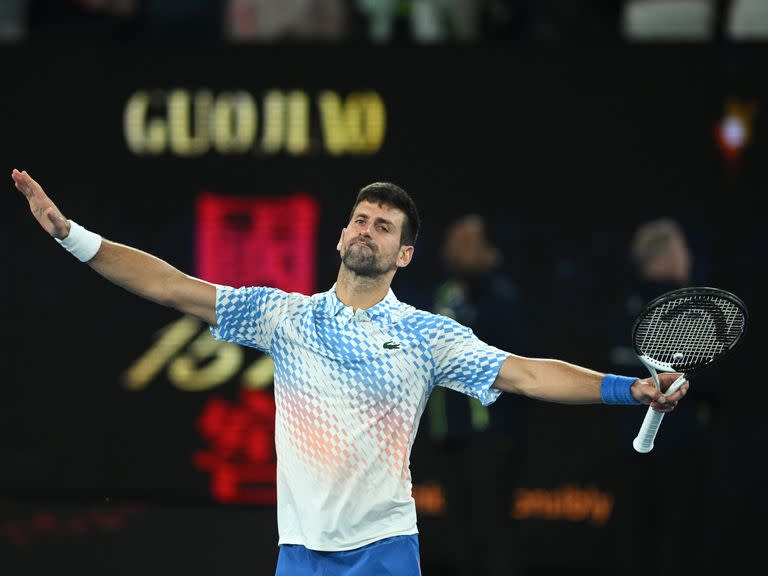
(365, 260)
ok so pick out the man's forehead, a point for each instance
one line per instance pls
(375, 210)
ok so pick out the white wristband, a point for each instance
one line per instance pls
(82, 243)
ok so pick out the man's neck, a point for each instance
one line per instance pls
(361, 292)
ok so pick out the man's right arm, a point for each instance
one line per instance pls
(154, 279)
(139, 272)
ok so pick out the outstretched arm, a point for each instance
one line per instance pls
(558, 381)
(139, 272)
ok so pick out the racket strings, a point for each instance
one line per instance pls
(689, 331)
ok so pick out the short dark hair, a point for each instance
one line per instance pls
(392, 195)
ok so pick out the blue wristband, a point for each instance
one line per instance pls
(615, 390)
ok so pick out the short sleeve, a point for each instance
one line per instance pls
(465, 363)
(249, 315)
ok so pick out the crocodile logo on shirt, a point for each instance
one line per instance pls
(391, 345)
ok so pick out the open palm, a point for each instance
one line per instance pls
(43, 209)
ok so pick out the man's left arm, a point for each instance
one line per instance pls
(558, 381)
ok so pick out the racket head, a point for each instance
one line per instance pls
(686, 329)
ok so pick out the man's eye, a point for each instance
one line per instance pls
(383, 228)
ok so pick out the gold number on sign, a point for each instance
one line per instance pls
(168, 342)
(195, 361)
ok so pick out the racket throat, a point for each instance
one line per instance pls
(654, 368)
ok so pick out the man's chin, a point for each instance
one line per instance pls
(362, 268)
(365, 271)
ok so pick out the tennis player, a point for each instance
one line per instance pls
(354, 368)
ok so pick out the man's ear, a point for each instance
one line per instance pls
(405, 256)
(341, 239)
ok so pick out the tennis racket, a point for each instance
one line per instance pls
(682, 331)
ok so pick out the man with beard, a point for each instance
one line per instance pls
(354, 368)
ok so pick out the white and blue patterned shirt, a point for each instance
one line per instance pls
(350, 388)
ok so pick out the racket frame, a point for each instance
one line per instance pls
(643, 442)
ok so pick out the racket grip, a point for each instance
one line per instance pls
(643, 442)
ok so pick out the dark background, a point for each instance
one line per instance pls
(564, 150)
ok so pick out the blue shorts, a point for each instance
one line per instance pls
(395, 556)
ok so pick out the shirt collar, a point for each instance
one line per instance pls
(381, 312)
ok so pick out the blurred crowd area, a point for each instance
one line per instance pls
(385, 21)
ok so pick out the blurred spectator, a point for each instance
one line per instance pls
(275, 20)
(661, 254)
(477, 293)
(13, 20)
(488, 442)
(424, 21)
(747, 20)
(670, 20)
(662, 261)
(683, 459)
(435, 21)
(385, 18)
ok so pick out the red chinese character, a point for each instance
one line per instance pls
(257, 241)
(242, 459)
